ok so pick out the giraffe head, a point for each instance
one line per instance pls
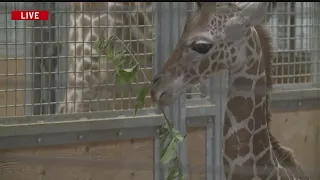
(213, 39)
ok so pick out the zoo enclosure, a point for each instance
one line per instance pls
(34, 78)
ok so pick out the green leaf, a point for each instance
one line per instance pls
(167, 126)
(177, 136)
(173, 175)
(141, 99)
(119, 59)
(126, 75)
(169, 151)
(163, 137)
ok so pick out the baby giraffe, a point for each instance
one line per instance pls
(232, 37)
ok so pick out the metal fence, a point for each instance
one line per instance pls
(43, 61)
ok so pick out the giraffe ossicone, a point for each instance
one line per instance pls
(232, 37)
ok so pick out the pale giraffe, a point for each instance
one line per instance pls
(87, 75)
(232, 37)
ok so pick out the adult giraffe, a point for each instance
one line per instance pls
(232, 37)
(89, 72)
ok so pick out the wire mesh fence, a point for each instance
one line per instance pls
(50, 64)
(295, 27)
(50, 67)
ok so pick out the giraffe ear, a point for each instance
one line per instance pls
(254, 12)
(242, 5)
(251, 14)
(206, 6)
(271, 8)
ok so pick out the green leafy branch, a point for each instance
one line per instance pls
(169, 137)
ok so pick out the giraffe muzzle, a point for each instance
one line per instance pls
(164, 89)
(162, 98)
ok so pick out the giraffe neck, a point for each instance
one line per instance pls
(247, 145)
(86, 71)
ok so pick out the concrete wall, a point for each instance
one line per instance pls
(300, 131)
(132, 159)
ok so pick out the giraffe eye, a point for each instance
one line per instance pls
(202, 48)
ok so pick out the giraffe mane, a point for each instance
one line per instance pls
(266, 46)
(284, 154)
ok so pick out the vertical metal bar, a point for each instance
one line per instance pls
(189, 12)
(158, 169)
(214, 162)
(36, 70)
(178, 110)
(315, 66)
(15, 34)
(160, 26)
(214, 139)
(7, 56)
(28, 52)
(57, 68)
(53, 59)
(167, 34)
(209, 149)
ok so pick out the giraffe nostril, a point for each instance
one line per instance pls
(162, 95)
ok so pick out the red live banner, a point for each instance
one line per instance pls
(29, 15)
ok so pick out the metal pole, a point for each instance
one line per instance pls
(170, 19)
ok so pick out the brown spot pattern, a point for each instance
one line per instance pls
(240, 107)
(233, 59)
(245, 171)
(248, 52)
(237, 144)
(260, 90)
(260, 141)
(204, 65)
(221, 56)
(215, 55)
(85, 66)
(264, 165)
(73, 97)
(79, 51)
(259, 116)
(242, 83)
(232, 50)
(227, 124)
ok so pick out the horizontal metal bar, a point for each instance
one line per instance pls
(81, 125)
(295, 105)
(194, 108)
(295, 100)
(75, 116)
(41, 137)
(295, 94)
(74, 137)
